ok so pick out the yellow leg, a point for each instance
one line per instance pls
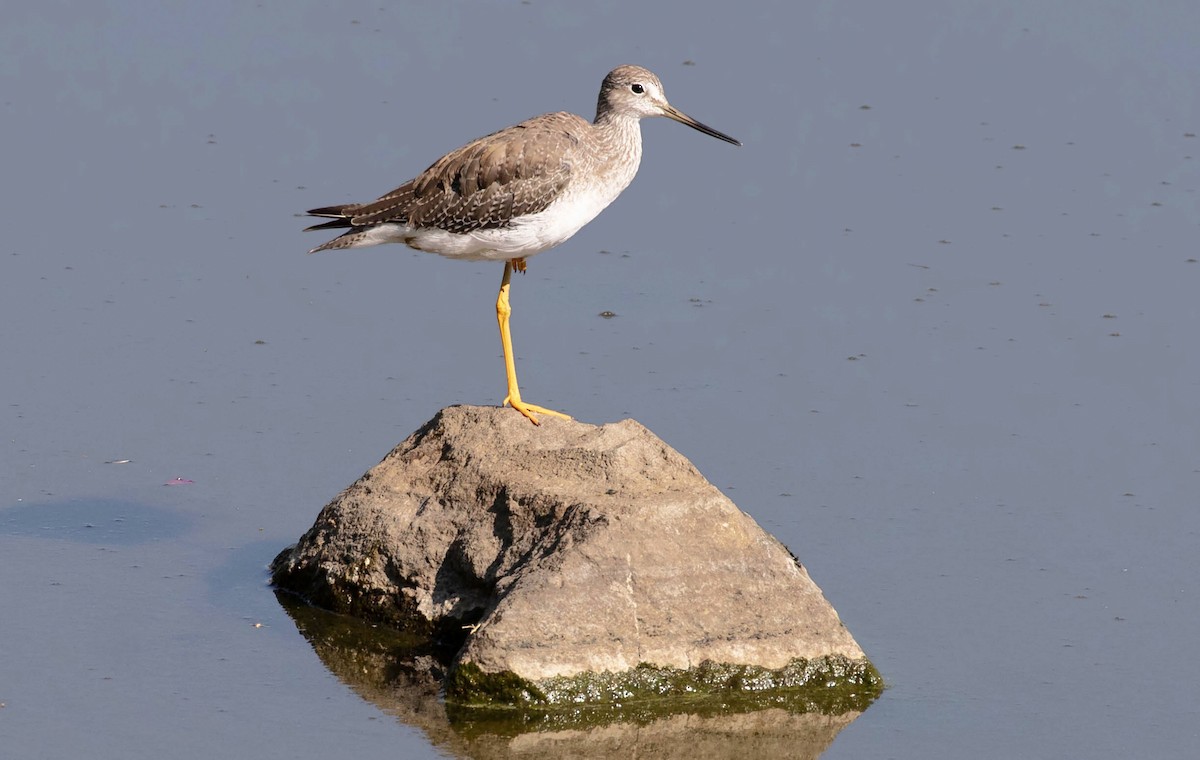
(503, 312)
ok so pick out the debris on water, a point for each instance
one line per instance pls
(179, 482)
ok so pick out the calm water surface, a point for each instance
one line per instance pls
(934, 326)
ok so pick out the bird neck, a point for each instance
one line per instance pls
(620, 134)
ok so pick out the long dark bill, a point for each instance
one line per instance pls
(683, 118)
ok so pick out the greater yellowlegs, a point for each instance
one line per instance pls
(517, 192)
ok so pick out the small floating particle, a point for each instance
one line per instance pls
(608, 314)
(179, 482)
(119, 461)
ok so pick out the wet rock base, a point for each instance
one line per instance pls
(573, 564)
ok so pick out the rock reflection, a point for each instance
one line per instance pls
(402, 675)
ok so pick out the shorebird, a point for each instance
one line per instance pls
(517, 192)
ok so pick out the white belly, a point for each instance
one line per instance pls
(525, 237)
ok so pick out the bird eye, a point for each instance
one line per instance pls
(637, 88)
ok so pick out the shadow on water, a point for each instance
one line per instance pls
(402, 675)
(93, 521)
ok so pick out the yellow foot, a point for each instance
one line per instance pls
(531, 409)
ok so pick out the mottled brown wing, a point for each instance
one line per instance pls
(487, 183)
(392, 207)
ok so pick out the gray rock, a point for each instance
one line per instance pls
(562, 550)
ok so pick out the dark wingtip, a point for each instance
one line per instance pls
(332, 224)
(334, 211)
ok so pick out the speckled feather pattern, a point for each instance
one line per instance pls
(513, 193)
(486, 184)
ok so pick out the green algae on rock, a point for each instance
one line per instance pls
(829, 685)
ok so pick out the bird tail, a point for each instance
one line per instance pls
(333, 224)
(340, 216)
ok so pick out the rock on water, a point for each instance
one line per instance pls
(566, 549)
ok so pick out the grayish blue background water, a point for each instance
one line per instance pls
(934, 326)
